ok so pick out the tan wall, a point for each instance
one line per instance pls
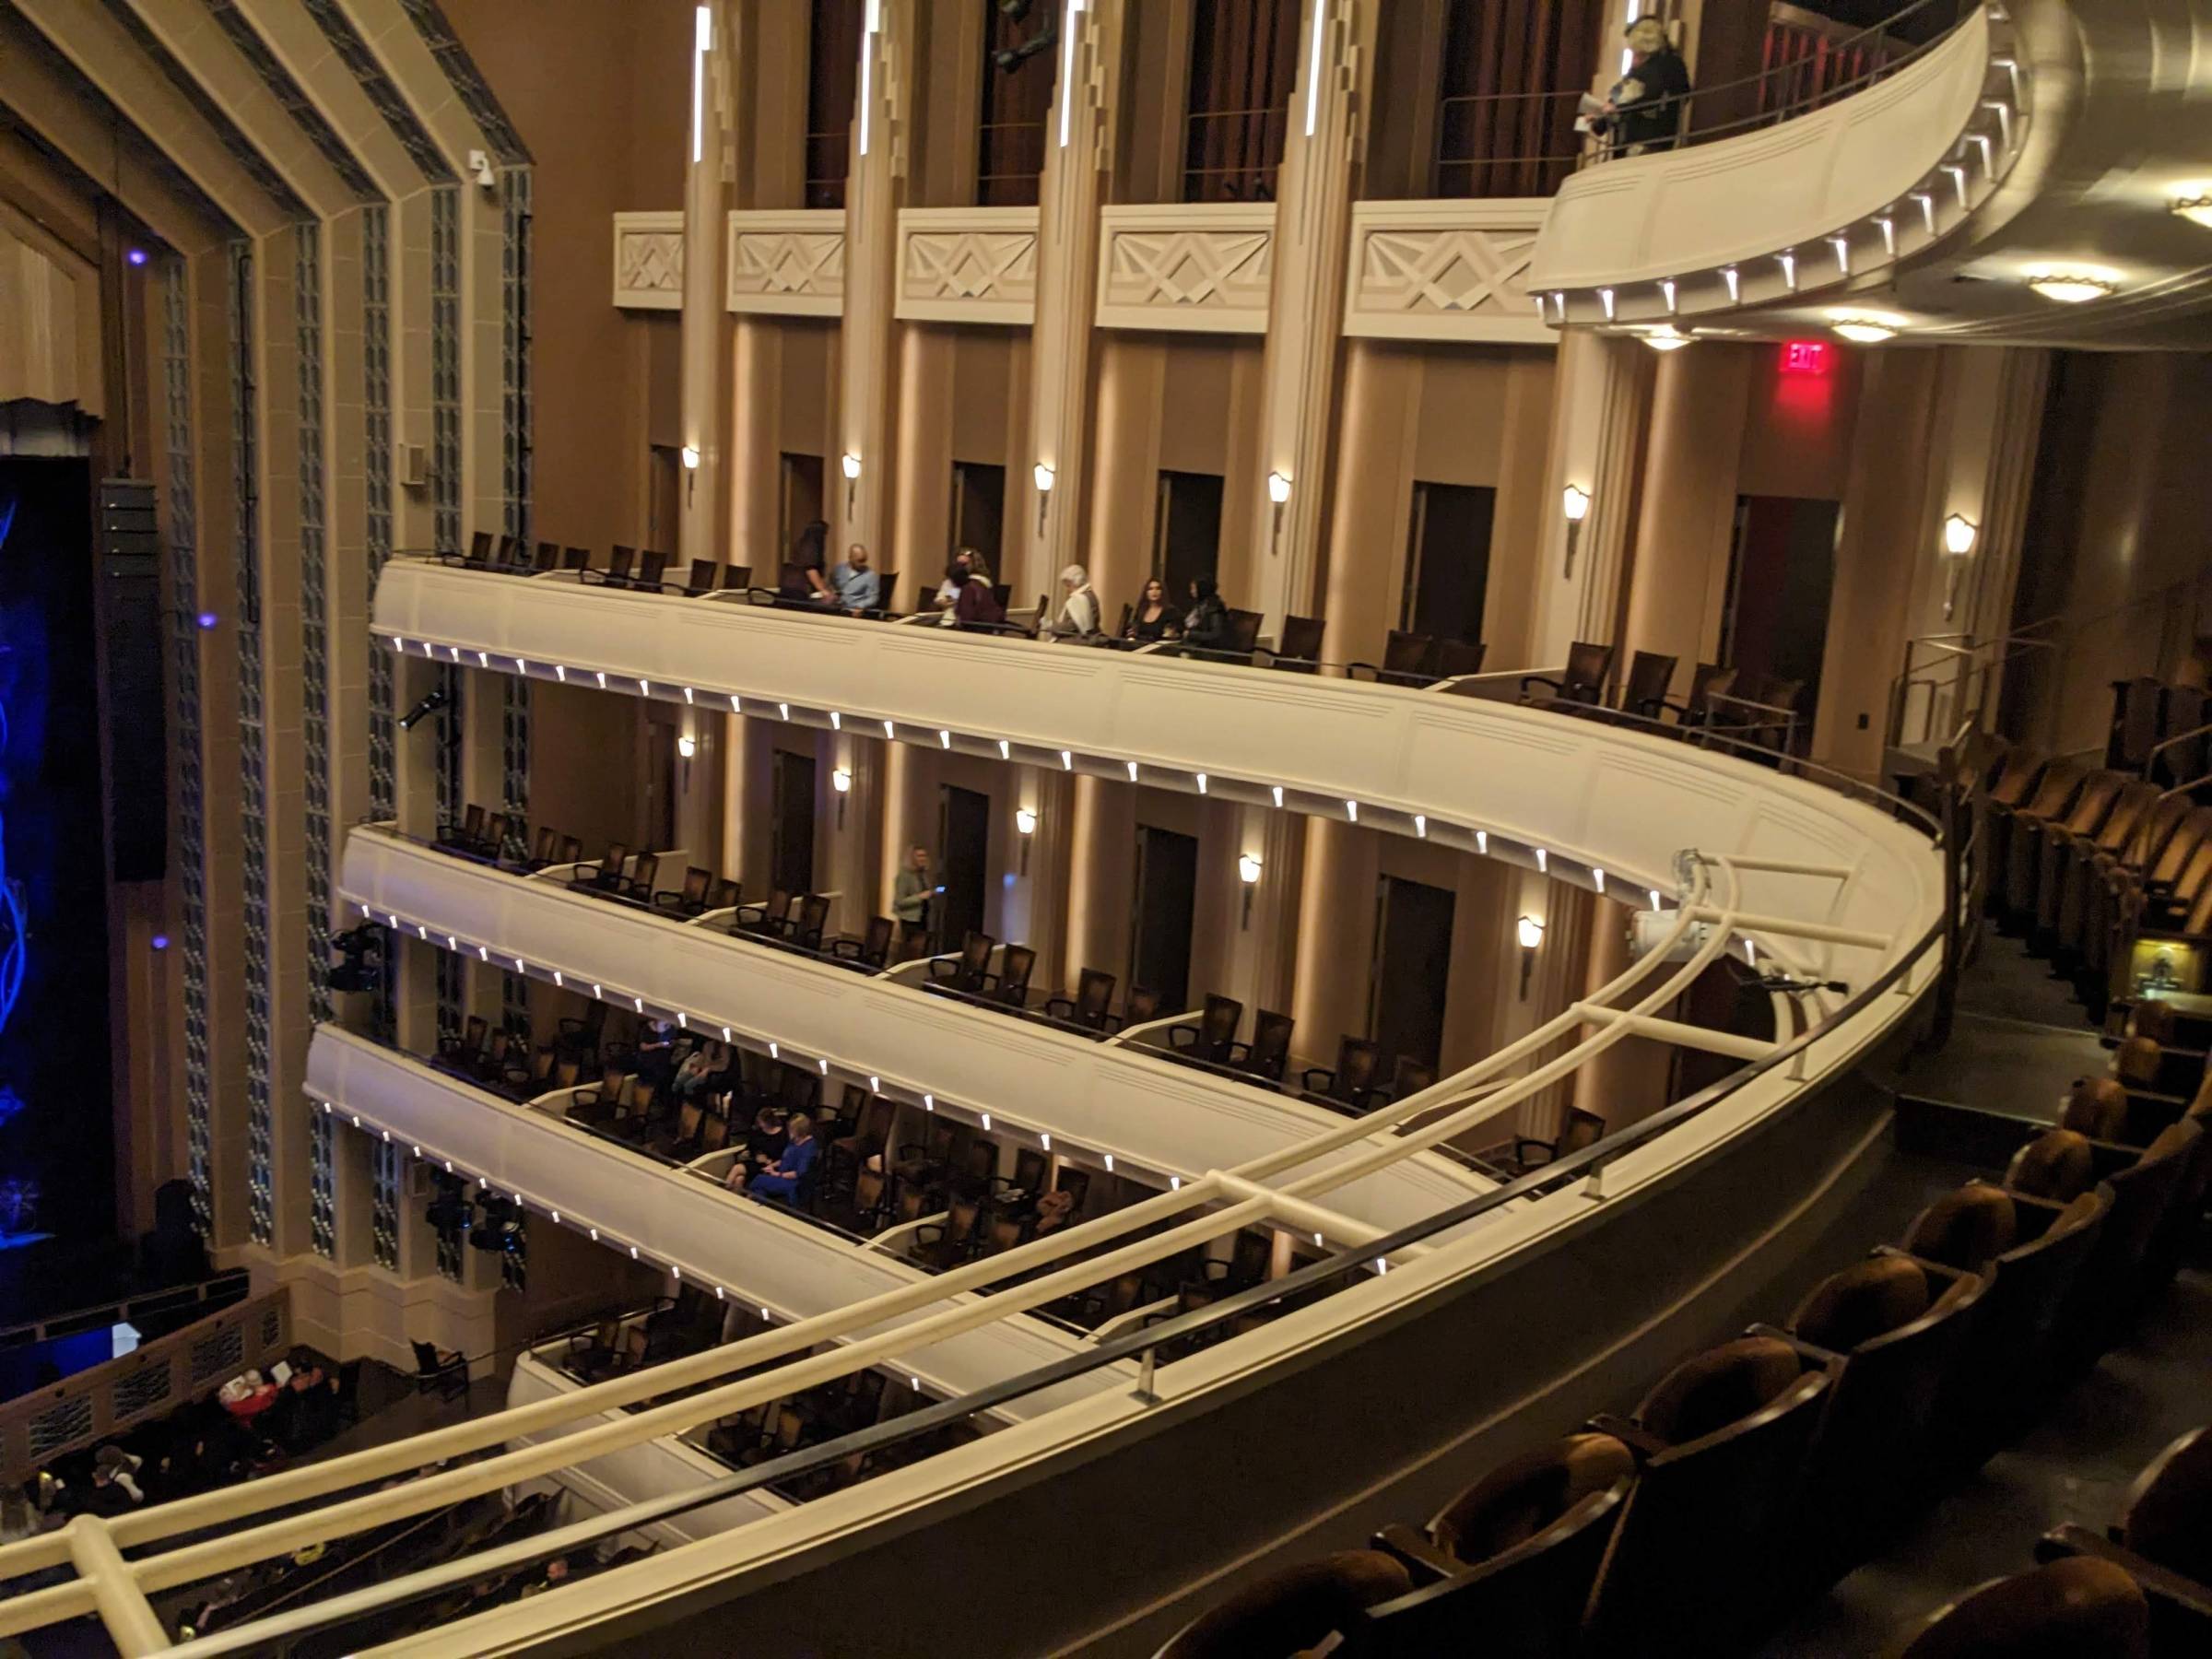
(580, 743)
(964, 397)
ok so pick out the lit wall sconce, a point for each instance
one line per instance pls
(1960, 535)
(687, 745)
(690, 456)
(1531, 933)
(850, 462)
(1279, 492)
(1024, 826)
(841, 780)
(1046, 477)
(1248, 872)
(1574, 501)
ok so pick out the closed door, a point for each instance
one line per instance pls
(802, 496)
(979, 504)
(1781, 573)
(1188, 538)
(1167, 892)
(963, 862)
(660, 783)
(1448, 561)
(1412, 969)
(791, 831)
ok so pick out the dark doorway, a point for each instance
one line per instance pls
(665, 531)
(1448, 560)
(791, 825)
(963, 863)
(979, 505)
(1781, 572)
(1188, 541)
(1166, 894)
(660, 784)
(1413, 969)
(802, 502)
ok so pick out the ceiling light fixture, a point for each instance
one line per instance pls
(2071, 288)
(2196, 208)
(1667, 338)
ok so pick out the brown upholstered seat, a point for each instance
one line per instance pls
(1512, 1558)
(2096, 1106)
(2057, 1164)
(1969, 1228)
(1710, 1391)
(1863, 1302)
(2168, 1514)
(2071, 1609)
(1291, 1612)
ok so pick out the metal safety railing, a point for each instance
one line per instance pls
(261, 1521)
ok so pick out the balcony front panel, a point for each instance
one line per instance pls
(1199, 266)
(649, 261)
(967, 265)
(1445, 270)
(713, 1236)
(1594, 795)
(787, 263)
(1152, 1112)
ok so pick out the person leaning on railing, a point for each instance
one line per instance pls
(1643, 111)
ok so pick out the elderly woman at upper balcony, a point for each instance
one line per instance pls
(1078, 605)
(1643, 112)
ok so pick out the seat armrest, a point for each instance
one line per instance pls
(1182, 1036)
(1635, 1436)
(1540, 679)
(1821, 1357)
(1423, 1561)
(1312, 1072)
(1522, 1143)
(2172, 1591)
(1060, 1007)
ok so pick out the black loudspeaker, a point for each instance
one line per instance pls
(130, 619)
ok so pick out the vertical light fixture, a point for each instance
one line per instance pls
(1574, 501)
(1068, 69)
(1959, 533)
(703, 43)
(1279, 492)
(871, 23)
(1248, 872)
(1531, 933)
(1045, 477)
(1024, 826)
(1320, 22)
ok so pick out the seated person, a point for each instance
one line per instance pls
(1078, 616)
(948, 589)
(698, 1069)
(853, 587)
(1052, 1212)
(764, 1143)
(1153, 618)
(976, 602)
(781, 1179)
(1205, 625)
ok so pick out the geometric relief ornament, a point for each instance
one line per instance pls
(649, 261)
(967, 265)
(1197, 266)
(788, 264)
(1443, 270)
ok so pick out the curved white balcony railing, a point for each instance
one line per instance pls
(1817, 202)
(759, 1254)
(1151, 1113)
(1515, 783)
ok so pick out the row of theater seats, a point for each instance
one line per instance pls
(2105, 872)
(643, 571)
(1758, 1472)
(2141, 1589)
(1754, 710)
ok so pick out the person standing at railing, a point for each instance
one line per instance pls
(911, 893)
(1643, 111)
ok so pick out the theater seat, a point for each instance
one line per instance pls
(1897, 1328)
(2163, 1541)
(1969, 1228)
(2058, 1164)
(2076, 1610)
(1721, 1443)
(2096, 1106)
(1507, 1566)
(1292, 1612)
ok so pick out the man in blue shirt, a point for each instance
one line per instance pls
(853, 587)
(781, 1179)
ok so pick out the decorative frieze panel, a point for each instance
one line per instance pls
(649, 261)
(1201, 266)
(788, 264)
(1443, 270)
(967, 265)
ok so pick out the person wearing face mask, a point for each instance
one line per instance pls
(1643, 111)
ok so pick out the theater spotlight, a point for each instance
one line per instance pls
(429, 705)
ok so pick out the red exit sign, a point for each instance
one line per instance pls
(1806, 357)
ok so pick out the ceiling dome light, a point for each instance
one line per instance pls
(2071, 288)
(1667, 338)
(1863, 328)
(2197, 210)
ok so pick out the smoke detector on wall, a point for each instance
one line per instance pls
(480, 168)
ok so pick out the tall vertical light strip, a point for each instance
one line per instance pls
(1068, 69)
(186, 725)
(872, 25)
(1321, 23)
(376, 431)
(445, 502)
(253, 758)
(703, 43)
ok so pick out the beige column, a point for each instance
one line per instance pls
(753, 456)
(1079, 158)
(706, 320)
(1042, 871)
(1318, 182)
(1675, 589)
(1336, 940)
(1382, 407)
(1102, 878)
(851, 836)
(1265, 950)
(1886, 529)
(1599, 412)
(1125, 450)
(921, 462)
(875, 188)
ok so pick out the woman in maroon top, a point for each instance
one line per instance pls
(974, 602)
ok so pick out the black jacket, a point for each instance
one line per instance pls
(1649, 102)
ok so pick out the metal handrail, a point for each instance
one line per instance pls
(1141, 1345)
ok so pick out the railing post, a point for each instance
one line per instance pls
(1144, 1391)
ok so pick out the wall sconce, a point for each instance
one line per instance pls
(841, 780)
(1574, 502)
(1531, 932)
(689, 456)
(1278, 492)
(1960, 535)
(1248, 872)
(1024, 826)
(1046, 477)
(850, 464)
(687, 745)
